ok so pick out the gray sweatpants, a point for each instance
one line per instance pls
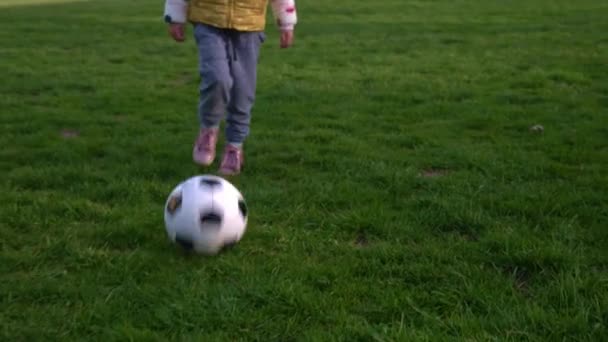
(228, 67)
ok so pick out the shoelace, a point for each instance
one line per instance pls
(204, 141)
(232, 159)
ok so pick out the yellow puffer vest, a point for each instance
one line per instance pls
(242, 15)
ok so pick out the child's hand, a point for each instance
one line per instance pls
(176, 31)
(286, 38)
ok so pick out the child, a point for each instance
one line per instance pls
(228, 34)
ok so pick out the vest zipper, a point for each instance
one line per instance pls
(230, 13)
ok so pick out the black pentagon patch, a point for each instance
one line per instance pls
(211, 219)
(168, 19)
(175, 202)
(210, 182)
(243, 208)
(185, 243)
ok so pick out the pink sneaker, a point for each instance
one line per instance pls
(232, 162)
(204, 147)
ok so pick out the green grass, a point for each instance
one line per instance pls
(12, 3)
(396, 191)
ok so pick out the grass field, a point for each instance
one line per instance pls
(396, 189)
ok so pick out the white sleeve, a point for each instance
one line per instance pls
(285, 13)
(176, 11)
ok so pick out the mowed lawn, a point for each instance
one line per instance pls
(416, 170)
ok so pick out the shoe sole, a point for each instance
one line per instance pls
(203, 162)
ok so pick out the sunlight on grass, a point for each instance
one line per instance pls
(13, 3)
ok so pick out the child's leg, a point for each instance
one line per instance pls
(216, 79)
(244, 51)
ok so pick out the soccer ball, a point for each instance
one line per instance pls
(205, 214)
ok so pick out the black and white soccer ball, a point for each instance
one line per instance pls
(205, 214)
